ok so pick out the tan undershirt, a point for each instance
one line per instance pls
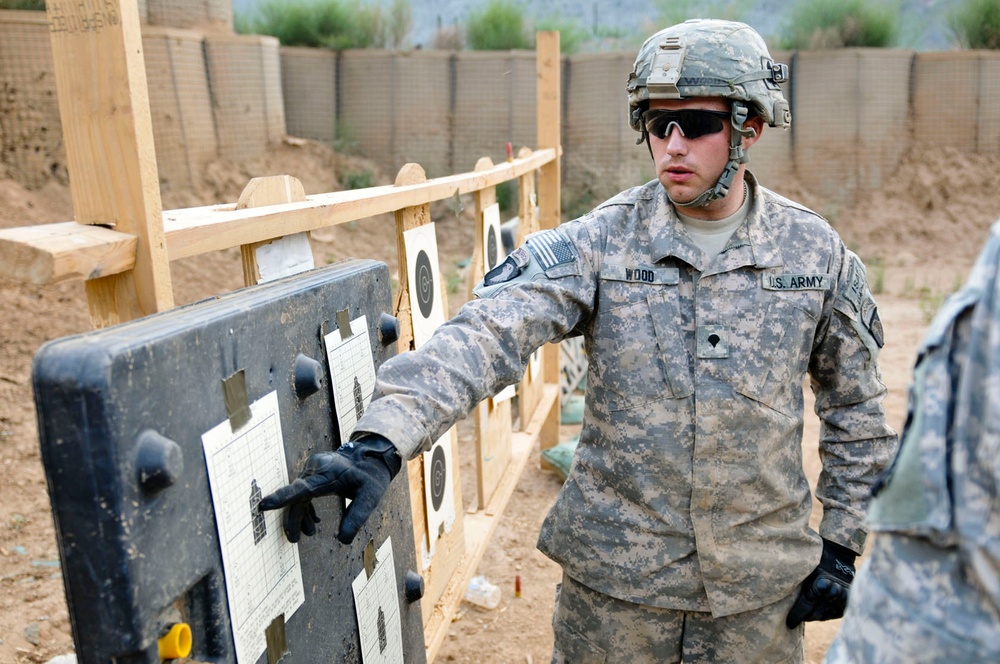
(711, 236)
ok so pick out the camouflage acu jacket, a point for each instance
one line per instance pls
(687, 490)
(930, 591)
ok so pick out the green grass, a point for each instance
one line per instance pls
(823, 24)
(976, 23)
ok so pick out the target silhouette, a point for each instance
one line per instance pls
(439, 477)
(425, 284)
(491, 249)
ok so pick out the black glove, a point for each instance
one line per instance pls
(360, 470)
(823, 595)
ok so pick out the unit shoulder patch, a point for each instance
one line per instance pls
(516, 261)
(855, 288)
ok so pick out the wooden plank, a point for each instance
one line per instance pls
(449, 547)
(492, 418)
(549, 125)
(262, 191)
(530, 389)
(197, 230)
(548, 66)
(64, 251)
(192, 232)
(479, 528)
(106, 127)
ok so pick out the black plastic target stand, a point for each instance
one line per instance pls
(121, 413)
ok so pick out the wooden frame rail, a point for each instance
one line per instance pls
(64, 251)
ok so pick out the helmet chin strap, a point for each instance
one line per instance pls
(737, 155)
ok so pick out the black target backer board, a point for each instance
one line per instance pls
(121, 415)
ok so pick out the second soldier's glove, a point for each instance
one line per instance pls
(823, 595)
(360, 470)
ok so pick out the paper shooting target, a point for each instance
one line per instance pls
(424, 284)
(439, 477)
(439, 490)
(424, 277)
(493, 252)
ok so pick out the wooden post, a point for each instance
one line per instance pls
(549, 122)
(104, 108)
(450, 547)
(268, 190)
(493, 418)
(531, 390)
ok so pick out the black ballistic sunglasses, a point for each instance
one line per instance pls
(693, 122)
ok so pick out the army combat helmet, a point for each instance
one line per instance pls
(710, 58)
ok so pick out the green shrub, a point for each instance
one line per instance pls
(398, 23)
(571, 35)
(498, 26)
(333, 24)
(35, 5)
(507, 196)
(976, 23)
(820, 24)
(357, 178)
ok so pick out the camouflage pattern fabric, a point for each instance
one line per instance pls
(687, 490)
(930, 591)
(593, 628)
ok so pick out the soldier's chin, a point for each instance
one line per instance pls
(681, 195)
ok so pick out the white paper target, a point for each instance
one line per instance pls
(424, 277)
(263, 575)
(439, 487)
(493, 253)
(352, 374)
(376, 604)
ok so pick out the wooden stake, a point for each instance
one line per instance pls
(106, 126)
(549, 122)
(270, 190)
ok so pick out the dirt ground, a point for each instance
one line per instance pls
(919, 236)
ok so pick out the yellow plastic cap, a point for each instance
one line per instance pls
(176, 643)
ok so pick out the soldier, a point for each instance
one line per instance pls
(930, 591)
(704, 299)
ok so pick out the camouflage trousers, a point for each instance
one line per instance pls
(594, 628)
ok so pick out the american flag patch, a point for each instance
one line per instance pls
(551, 249)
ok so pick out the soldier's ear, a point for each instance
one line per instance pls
(755, 125)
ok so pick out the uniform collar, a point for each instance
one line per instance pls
(753, 243)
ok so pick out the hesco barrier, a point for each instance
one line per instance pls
(855, 112)
(179, 102)
(244, 75)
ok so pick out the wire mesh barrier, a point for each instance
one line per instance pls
(849, 118)
(180, 105)
(214, 95)
(244, 75)
(310, 75)
(30, 129)
(187, 13)
(956, 96)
